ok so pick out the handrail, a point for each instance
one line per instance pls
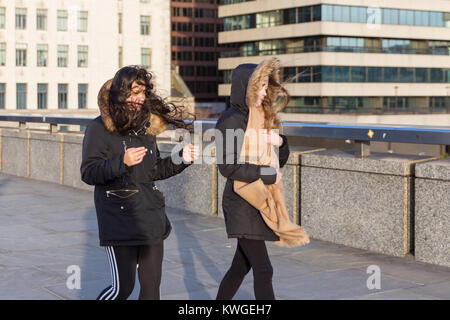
(362, 134)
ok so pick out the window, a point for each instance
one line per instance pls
(120, 57)
(390, 16)
(42, 55)
(436, 75)
(358, 74)
(436, 19)
(120, 22)
(422, 75)
(63, 53)
(327, 74)
(341, 74)
(21, 55)
(41, 19)
(82, 56)
(82, 23)
(358, 14)
(21, 18)
(446, 19)
(61, 20)
(390, 74)
(421, 18)
(289, 74)
(374, 74)
(146, 57)
(2, 54)
(2, 95)
(406, 75)
(62, 96)
(42, 89)
(327, 12)
(304, 74)
(268, 19)
(407, 17)
(317, 13)
(289, 15)
(333, 42)
(82, 95)
(447, 75)
(2, 18)
(145, 25)
(304, 14)
(21, 95)
(341, 13)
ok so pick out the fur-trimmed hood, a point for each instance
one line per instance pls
(248, 78)
(157, 124)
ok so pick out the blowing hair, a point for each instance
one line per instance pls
(275, 93)
(127, 119)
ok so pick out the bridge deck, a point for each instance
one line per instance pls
(45, 228)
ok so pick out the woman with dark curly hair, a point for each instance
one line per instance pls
(121, 159)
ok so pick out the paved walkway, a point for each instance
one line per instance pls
(45, 228)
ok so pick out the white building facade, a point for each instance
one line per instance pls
(56, 54)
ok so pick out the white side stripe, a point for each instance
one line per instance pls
(114, 290)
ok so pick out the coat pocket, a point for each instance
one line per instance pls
(121, 201)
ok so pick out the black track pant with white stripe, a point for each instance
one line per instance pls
(123, 261)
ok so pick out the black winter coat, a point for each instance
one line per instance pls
(242, 220)
(139, 219)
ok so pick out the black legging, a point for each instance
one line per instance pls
(250, 254)
(123, 261)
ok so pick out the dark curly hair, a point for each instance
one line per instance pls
(125, 118)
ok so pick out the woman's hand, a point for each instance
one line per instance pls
(134, 156)
(190, 153)
(273, 137)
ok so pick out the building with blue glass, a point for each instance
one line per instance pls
(346, 56)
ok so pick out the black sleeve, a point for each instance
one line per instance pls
(97, 167)
(245, 172)
(166, 168)
(284, 151)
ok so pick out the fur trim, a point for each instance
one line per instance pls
(269, 67)
(157, 124)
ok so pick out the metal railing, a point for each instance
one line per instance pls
(362, 134)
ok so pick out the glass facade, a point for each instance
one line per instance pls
(339, 44)
(338, 13)
(359, 74)
(368, 105)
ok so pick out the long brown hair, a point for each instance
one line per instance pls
(271, 120)
(125, 118)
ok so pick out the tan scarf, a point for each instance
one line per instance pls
(268, 199)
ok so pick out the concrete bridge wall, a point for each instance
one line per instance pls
(398, 205)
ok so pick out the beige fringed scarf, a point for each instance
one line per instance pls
(268, 199)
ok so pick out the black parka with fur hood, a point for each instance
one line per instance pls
(126, 217)
(242, 220)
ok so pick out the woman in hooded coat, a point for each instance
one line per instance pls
(121, 159)
(252, 86)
